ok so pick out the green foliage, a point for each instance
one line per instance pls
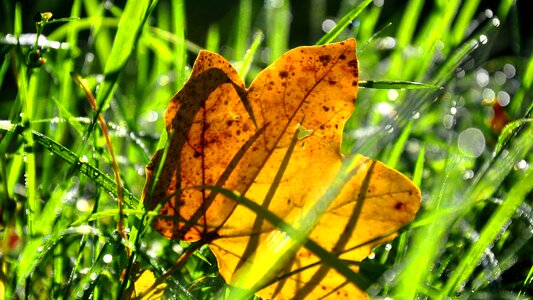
(426, 70)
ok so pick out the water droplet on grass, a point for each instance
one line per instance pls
(469, 174)
(108, 258)
(521, 165)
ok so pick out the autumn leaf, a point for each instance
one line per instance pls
(276, 143)
(142, 282)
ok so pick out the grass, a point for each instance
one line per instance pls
(59, 214)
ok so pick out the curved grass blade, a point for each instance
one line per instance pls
(72, 159)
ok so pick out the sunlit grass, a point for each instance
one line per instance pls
(472, 236)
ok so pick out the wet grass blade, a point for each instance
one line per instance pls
(489, 234)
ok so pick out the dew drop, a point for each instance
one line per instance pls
(499, 77)
(163, 80)
(448, 121)
(453, 110)
(471, 142)
(108, 258)
(503, 98)
(482, 77)
(84, 159)
(392, 94)
(415, 115)
(93, 276)
(469, 174)
(384, 108)
(83, 205)
(327, 25)
(177, 248)
(488, 94)
(521, 165)
(509, 70)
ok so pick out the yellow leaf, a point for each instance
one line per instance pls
(224, 135)
(143, 282)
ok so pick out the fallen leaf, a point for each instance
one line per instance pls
(142, 286)
(222, 134)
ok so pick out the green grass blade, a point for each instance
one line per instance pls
(38, 248)
(248, 59)
(464, 18)
(527, 282)
(419, 167)
(72, 159)
(520, 98)
(180, 47)
(243, 28)
(399, 146)
(396, 84)
(489, 234)
(278, 28)
(343, 23)
(488, 180)
(404, 36)
(213, 38)
(102, 38)
(129, 28)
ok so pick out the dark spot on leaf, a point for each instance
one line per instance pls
(354, 83)
(342, 57)
(197, 154)
(322, 127)
(229, 122)
(352, 63)
(398, 206)
(332, 82)
(283, 74)
(325, 108)
(324, 59)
